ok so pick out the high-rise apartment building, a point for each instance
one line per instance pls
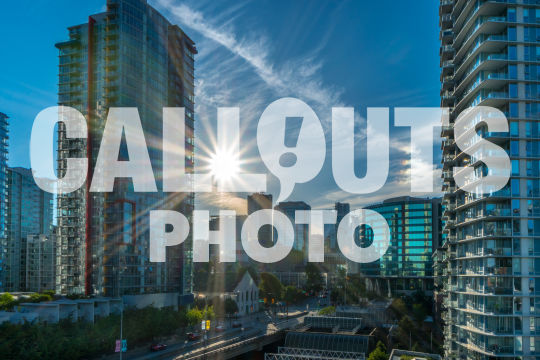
(333, 257)
(128, 56)
(490, 271)
(341, 209)
(415, 231)
(260, 201)
(301, 231)
(29, 213)
(4, 137)
(40, 262)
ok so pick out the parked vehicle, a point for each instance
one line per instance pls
(158, 347)
(193, 336)
(237, 324)
(220, 328)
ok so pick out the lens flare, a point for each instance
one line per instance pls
(224, 166)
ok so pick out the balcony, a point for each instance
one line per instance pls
(483, 42)
(482, 61)
(447, 67)
(446, 6)
(447, 36)
(489, 24)
(448, 99)
(447, 143)
(445, 21)
(448, 82)
(447, 130)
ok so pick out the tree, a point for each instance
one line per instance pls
(36, 297)
(291, 295)
(399, 307)
(6, 301)
(194, 316)
(329, 310)
(208, 313)
(405, 330)
(419, 312)
(314, 281)
(271, 287)
(231, 307)
(379, 353)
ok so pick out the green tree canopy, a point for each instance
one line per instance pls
(6, 301)
(208, 313)
(292, 295)
(329, 310)
(420, 312)
(314, 281)
(231, 307)
(194, 316)
(271, 287)
(379, 353)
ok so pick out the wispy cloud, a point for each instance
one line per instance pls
(296, 77)
(239, 70)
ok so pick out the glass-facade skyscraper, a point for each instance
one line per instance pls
(29, 212)
(128, 56)
(261, 201)
(4, 137)
(301, 231)
(490, 265)
(415, 231)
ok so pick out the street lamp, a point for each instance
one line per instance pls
(120, 271)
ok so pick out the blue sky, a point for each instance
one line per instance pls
(326, 53)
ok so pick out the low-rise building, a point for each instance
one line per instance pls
(76, 310)
(244, 292)
(325, 337)
(397, 354)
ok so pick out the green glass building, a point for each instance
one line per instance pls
(415, 231)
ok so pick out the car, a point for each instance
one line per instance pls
(237, 324)
(192, 336)
(158, 347)
(220, 328)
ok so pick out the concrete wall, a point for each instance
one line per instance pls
(17, 317)
(159, 300)
(82, 310)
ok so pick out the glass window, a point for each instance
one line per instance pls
(514, 128)
(512, 33)
(514, 110)
(511, 16)
(512, 71)
(513, 90)
(515, 187)
(514, 148)
(512, 53)
(515, 167)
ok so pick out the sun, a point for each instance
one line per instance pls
(224, 166)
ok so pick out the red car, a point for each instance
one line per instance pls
(158, 347)
(193, 336)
